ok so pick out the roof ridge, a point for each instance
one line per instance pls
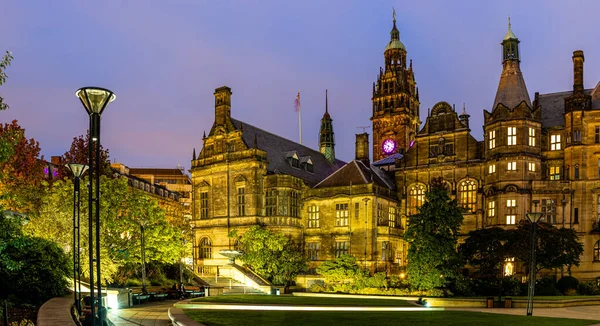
(361, 171)
(268, 132)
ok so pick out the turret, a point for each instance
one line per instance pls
(326, 140)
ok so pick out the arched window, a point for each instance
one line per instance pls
(416, 198)
(468, 195)
(205, 248)
(597, 251)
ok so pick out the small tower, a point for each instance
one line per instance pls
(464, 117)
(326, 141)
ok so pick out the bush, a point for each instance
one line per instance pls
(462, 286)
(546, 286)
(511, 286)
(133, 282)
(567, 285)
(316, 288)
(588, 288)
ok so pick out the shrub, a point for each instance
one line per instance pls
(512, 286)
(133, 282)
(567, 285)
(546, 286)
(315, 288)
(462, 286)
(588, 288)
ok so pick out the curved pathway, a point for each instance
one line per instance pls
(577, 312)
(152, 313)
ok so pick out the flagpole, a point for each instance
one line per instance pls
(299, 118)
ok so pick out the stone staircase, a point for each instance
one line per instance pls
(230, 279)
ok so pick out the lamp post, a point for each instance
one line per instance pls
(366, 200)
(143, 249)
(502, 266)
(78, 171)
(94, 100)
(533, 217)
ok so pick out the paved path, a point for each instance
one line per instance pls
(152, 313)
(579, 312)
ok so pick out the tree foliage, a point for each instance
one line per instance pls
(484, 250)
(22, 170)
(272, 255)
(432, 234)
(342, 269)
(4, 63)
(78, 153)
(556, 247)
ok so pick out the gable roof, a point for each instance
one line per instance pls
(553, 107)
(355, 173)
(277, 149)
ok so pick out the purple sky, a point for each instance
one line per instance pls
(163, 60)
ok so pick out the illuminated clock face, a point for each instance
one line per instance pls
(388, 146)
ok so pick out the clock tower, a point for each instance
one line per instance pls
(395, 101)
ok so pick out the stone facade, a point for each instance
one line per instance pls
(546, 151)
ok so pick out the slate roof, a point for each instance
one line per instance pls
(511, 88)
(158, 171)
(356, 172)
(389, 160)
(553, 107)
(277, 149)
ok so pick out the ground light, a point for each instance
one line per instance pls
(94, 100)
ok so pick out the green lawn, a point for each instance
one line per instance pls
(226, 318)
(540, 297)
(308, 301)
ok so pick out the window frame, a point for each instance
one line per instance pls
(511, 136)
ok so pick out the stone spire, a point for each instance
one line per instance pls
(326, 140)
(511, 89)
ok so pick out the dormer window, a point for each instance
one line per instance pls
(307, 164)
(293, 158)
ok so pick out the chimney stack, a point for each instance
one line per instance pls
(362, 148)
(222, 105)
(578, 71)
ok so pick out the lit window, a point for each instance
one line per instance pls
(509, 266)
(512, 166)
(492, 168)
(510, 219)
(468, 195)
(492, 139)
(313, 216)
(341, 214)
(511, 203)
(392, 216)
(531, 167)
(531, 137)
(341, 248)
(512, 136)
(312, 249)
(554, 142)
(555, 173)
(549, 210)
(241, 203)
(416, 198)
(491, 208)
(205, 248)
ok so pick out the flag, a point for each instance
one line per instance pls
(297, 102)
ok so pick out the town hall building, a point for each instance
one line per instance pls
(539, 155)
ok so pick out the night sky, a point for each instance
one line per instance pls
(163, 60)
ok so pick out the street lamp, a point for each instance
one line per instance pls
(533, 217)
(94, 100)
(143, 249)
(366, 200)
(78, 171)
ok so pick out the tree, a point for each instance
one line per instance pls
(432, 234)
(556, 248)
(272, 255)
(22, 170)
(483, 249)
(4, 63)
(78, 153)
